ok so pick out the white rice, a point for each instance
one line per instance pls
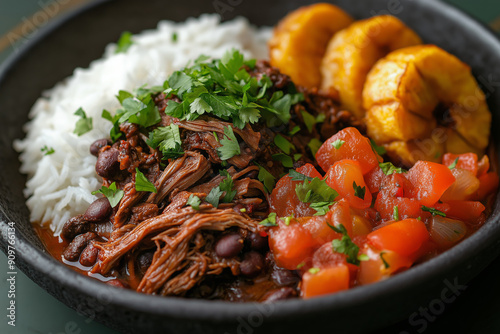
(59, 185)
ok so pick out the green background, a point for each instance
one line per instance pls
(39, 313)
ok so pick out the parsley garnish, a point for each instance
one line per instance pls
(225, 89)
(267, 179)
(345, 245)
(230, 146)
(283, 144)
(226, 186)
(388, 168)
(358, 191)
(380, 150)
(317, 192)
(270, 220)
(142, 183)
(395, 213)
(434, 212)
(47, 150)
(314, 145)
(453, 164)
(112, 194)
(124, 42)
(84, 124)
(168, 139)
(338, 143)
(213, 196)
(194, 201)
(386, 264)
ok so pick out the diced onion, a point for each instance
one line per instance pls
(446, 232)
(465, 185)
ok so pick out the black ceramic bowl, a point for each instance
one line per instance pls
(51, 54)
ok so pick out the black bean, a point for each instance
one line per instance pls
(74, 226)
(96, 146)
(257, 242)
(75, 248)
(283, 277)
(89, 255)
(279, 294)
(229, 245)
(107, 164)
(144, 260)
(99, 210)
(252, 264)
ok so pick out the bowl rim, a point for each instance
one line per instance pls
(216, 311)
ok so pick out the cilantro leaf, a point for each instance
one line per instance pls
(358, 191)
(230, 146)
(285, 160)
(139, 113)
(168, 139)
(213, 197)
(386, 264)
(295, 129)
(314, 145)
(84, 124)
(314, 270)
(270, 220)
(321, 208)
(345, 245)
(142, 183)
(267, 179)
(283, 144)
(296, 176)
(47, 150)
(174, 37)
(453, 164)
(338, 143)
(309, 120)
(227, 185)
(380, 150)
(124, 42)
(194, 201)
(388, 168)
(433, 211)
(113, 195)
(315, 191)
(395, 213)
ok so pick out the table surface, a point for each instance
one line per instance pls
(475, 311)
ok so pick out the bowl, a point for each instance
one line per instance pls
(74, 40)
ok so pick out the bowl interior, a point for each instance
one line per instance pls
(52, 53)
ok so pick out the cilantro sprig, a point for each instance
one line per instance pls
(47, 150)
(388, 168)
(84, 124)
(168, 139)
(433, 211)
(142, 183)
(346, 246)
(113, 194)
(270, 220)
(314, 191)
(226, 186)
(230, 146)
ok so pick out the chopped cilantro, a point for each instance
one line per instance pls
(142, 183)
(321, 208)
(386, 264)
(380, 150)
(267, 179)
(453, 164)
(124, 42)
(314, 270)
(285, 160)
(395, 213)
(112, 194)
(345, 245)
(174, 37)
(47, 150)
(230, 146)
(243, 210)
(296, 176)
(289, 219)
(84, 124)
(358, 191)
(270, 220)
(227, 186)
(314, 145)
(283, 144)
(297, 156)
(168, 139)
(388, 168)
(338, 143)
(213, 196)
(300, 265)
(309, 120)
(295, 129)
(194, 201)
(318, 193)
(434, 212)
(363, 257)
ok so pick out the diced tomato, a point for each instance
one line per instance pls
(284, 200)
(468, 211)
(346, 178)
(319, 229)
(374, 179)
(404, 237)
(355, 147)
(407, 207)
(340, 213)
(430, 180)
(467, 161)
(360, 225)
(488, 184)
(291, 244)
(483, 166)
(325, 257)
(325, 281)
(381, 264)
